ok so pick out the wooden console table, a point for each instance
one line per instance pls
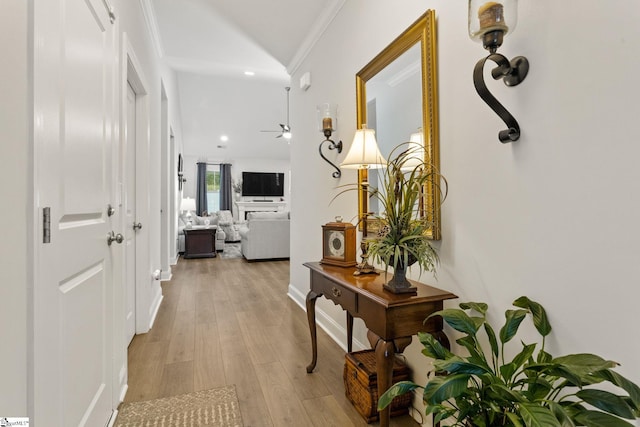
(391, 319)
(200, 242)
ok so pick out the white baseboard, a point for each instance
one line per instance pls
(155, 307)
(123, 392)
(336, 331)
(112, 420)
(166, 275)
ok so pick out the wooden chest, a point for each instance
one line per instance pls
(361, 384)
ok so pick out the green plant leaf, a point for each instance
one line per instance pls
(398, 389)
(544, 357)
(599, 419)
(480, 307)
(432, 347)
(504, 394)
(457, 365)
(535, 388)
(515, 420)
(560, 414)
(507, 370)
(535, 415)
(476, 354)
(443, 388)
(458, 320)
(607, 402)
(620, 381)
(540, 320)
(584, 363)
(524, 355)
(511, 325)
(493, 342)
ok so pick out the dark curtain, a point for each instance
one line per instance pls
(226, 200)
(201, 189)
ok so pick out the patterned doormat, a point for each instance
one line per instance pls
(231, 250)
(208, 408)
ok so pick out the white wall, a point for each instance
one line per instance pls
(15, 216)
(552, 216)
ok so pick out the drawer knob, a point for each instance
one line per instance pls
(335, 292)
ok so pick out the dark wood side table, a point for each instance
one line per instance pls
(200, 242)
(391, 319)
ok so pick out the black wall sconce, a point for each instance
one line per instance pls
(490, 22)
(328, 122)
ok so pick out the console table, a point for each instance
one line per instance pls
(391, 319)
(200, 242)
(266, 206)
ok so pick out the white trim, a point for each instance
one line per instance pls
(123, 393)
(152, 26)
(318, 29)
(155, 307)
(112, 420)
(166, 275)
(336, 331)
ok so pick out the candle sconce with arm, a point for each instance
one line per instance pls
(328, 122)
(489, 22)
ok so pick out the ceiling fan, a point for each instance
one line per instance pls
(285, 130)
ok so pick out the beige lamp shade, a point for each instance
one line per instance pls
(415, 151)
(364, 152)
(188, 204)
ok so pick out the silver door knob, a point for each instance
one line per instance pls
(137, 226)
(113, 237)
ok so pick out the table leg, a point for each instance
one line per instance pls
(385, 355)
(349, 332)
(311, 317)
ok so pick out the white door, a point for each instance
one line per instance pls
(74, 65)
(130, 215)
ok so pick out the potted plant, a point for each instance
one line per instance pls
(532, 389)
(403, 239)
(237, 187)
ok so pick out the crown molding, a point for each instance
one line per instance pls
(318, 29)
(152, 25)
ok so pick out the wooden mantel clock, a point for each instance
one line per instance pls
(339, 244)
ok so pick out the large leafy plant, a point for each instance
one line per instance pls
(532, 389)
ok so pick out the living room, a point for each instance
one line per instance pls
(551, 216)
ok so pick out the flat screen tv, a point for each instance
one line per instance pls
(263, 184)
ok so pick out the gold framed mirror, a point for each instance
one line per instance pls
(402, 84)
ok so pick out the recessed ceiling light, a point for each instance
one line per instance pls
(224, 138)
(249, 73)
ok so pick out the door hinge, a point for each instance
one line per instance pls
(46, 225)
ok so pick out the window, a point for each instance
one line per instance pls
(213, 189)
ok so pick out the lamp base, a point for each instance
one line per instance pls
(364, 268)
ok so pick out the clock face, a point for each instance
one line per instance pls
(336, 243)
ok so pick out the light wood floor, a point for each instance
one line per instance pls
(227, 321)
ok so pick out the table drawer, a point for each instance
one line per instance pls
(345, 297)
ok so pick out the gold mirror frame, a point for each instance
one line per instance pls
(422, 31)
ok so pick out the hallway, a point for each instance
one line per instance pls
(226, 321)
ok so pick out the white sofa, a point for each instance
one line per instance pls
(199, 222)
(265, 235)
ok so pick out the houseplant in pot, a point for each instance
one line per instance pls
(403, 239)
(533, 389)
